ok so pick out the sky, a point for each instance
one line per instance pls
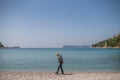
(55, 23)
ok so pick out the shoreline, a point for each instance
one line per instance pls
(53, 76)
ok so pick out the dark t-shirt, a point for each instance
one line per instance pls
(60, 59)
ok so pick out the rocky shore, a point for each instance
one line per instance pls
(66, 76)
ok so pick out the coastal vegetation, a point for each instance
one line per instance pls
(1, 45)
(113, 42)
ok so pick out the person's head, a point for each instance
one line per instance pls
(57, 54)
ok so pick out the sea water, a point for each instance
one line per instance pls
(45, 60)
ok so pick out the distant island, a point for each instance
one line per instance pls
(2, 46)
(113, 42)
(75, 46)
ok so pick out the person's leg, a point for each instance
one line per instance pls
(61, 68)
(58, 68)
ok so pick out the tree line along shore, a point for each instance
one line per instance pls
(113, 42)
(3, 46)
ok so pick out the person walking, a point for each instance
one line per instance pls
(60, 60)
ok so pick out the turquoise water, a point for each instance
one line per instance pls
(75, 60)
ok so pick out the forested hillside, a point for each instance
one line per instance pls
(109, 43)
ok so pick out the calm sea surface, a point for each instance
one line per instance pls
(75, 60)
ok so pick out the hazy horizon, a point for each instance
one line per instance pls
(55, 23)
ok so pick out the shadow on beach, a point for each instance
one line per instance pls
(68, 73)
(65, 74)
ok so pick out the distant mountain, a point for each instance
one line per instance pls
(75, 46)
(113, 42)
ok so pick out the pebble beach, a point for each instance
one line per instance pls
(53, 76)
